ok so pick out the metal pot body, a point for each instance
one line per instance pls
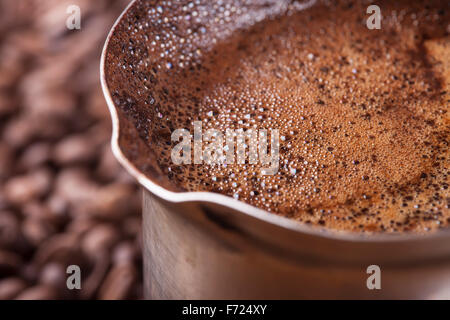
(195, 251)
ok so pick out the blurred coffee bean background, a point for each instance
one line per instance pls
(64, 200)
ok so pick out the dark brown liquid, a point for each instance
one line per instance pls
(363, 114)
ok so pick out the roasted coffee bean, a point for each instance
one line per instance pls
(64, 199)
(75, 186)
(9, 262)
(9, 229)
(11, 287)
(118, 282)
(53, 217)
(6, 104)
(35, 155)
(100, 238)
(37, 230)
(75, 149)
(112, 202)
(93, 281)
(124, 253)
(25, 188)
(39, 292)
(6, 159)
(63, 248)
(54, 275)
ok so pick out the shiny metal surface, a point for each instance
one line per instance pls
(193, 251)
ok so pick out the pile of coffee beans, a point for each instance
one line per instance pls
(64, 200)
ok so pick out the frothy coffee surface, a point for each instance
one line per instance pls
(362, 115)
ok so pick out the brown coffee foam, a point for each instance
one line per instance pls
(364, 114)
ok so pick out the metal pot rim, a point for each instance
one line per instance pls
(240, 206)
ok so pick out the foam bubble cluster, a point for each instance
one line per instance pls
(362, 114)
